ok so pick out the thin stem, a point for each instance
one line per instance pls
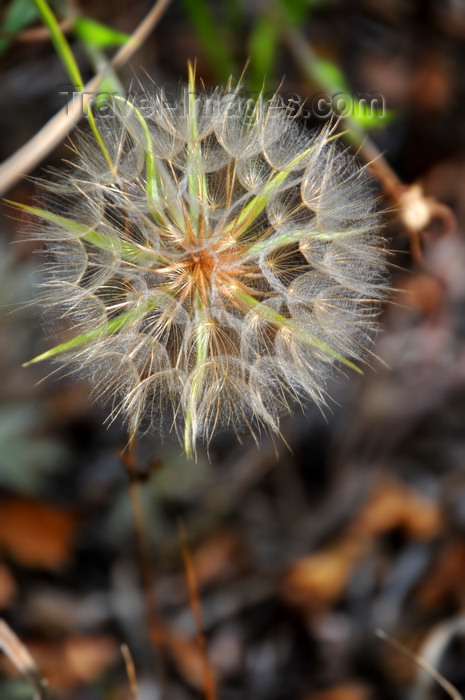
(33, 35)
(208, 677)
(393, 187)
(69, 62)
(450, 689)
(59, 41)
(130, 671)
(156, 631)
(22, 659)
(54, 131)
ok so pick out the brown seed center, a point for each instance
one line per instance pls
(203, 264)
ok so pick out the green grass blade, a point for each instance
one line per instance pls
(98, 35)
(69, 62)
(59, 41)
(19, 15)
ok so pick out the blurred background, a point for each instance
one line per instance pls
(302, 551)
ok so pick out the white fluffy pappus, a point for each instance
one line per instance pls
(211, 263)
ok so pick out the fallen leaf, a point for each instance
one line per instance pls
(317, 580)
(219, 557)
(36, 534)
(443, 584)
(393, 506)
(8, 587)
(188, 658)
(343, 691)
(74, 660)
(86, 657)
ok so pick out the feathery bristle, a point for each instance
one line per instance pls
(219, 275)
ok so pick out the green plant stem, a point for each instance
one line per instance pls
(59, 41)
(306, 59)
(52, 133)
(69, 62)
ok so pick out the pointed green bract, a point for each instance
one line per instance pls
(197, 183)
(115, 325)
(281, 321)
(252, 210)
(100, 240)
(285, 239)
(201, 355)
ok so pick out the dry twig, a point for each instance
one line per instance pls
(156, 631)
(422, 663)
(130, 671)
(21, 658)
(49, 136)
(416, 211)
(208, 678)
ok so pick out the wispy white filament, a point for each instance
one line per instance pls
(223, 271)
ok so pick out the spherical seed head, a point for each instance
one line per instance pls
(212, 262)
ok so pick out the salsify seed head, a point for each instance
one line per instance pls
(212, 262)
